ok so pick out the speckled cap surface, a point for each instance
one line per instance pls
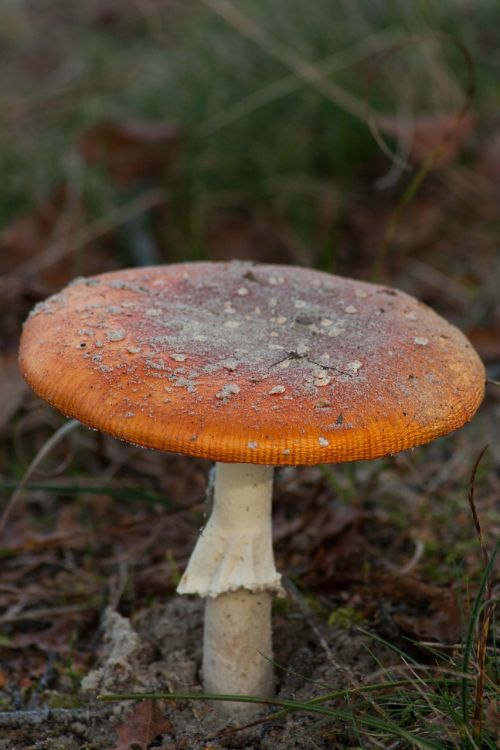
(251, 363)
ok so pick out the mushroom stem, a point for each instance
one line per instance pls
(233, 566)
(235, 549)
(237, 648)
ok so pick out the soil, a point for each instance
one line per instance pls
(159, 649)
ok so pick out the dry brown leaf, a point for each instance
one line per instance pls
(142, 726)
(430, 613)
(56, 638)
(26, 242)
(335, 538)
(132, 151)
(486, 339)
(488, 164)
(262, 236)
(423, 218)
(29, 234)
(439, 137)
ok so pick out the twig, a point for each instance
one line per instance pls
(91, 232)
(46, 613)
(484, 550)
(433, 157)
(42, 453)
(485, 615)
(57, 715)
(303, 69)
(419, 549)
(316, 626)
(288, 84)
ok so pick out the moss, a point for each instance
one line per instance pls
(345, 618)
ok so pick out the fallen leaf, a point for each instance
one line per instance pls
(26, 243)
(261, 236)
(486, 339)
(488, 163)
(29, 234)
(429, 613)
(132, 151)
(141, 727)
(438, 136)
(335, 537)
(57, 638)
(423, 218)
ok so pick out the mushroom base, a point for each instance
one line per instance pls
(237, 649)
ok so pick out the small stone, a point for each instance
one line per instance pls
(361, 293)
(351, 309)
(286, 451)
(326, 322)
(280, 320)
(299, 304)
(153, 312)
(324, 442)
(242, 291)
(232, 324)
(178, 357)
(420, 341)
(133, 349)
(252, 445)
(302, 349)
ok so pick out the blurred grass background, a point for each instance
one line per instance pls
(258, 139)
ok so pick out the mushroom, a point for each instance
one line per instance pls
(252, 366)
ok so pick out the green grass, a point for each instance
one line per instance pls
(257, 135)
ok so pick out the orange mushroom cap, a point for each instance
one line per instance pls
(251, 363)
